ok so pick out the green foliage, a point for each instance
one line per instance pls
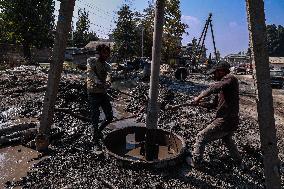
(275, 40)
(126, 34)
(82, 34)
(148, 24)
(2, 31)
(173, 29)
(129, 26)
(29, 22)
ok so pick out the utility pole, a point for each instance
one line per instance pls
(153, 107)
(72, 35)
(266, 121)
(62, 30)
(142, 42)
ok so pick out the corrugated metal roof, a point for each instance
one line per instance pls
(276, 60)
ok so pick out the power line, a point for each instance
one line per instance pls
(100, 26)
(97, 8)
(99, 30)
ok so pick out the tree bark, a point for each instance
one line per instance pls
(62, 30)
(27, 50)
(258, 43)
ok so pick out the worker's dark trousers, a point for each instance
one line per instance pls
(218, 129)
(98, 100)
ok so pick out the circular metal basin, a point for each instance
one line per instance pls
(128, 146)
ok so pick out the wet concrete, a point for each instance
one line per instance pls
(163, 153)
(15, 162)
(129, 144)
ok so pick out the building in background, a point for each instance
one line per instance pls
(237, 59)
(277, 62)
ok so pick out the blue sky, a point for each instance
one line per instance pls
(229, 19)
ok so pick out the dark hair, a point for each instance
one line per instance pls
(101, 47)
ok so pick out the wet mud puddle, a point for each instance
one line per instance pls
(136, 150)
(138, 153)
(15, 162)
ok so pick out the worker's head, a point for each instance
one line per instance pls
(104, 52)
(220, 70)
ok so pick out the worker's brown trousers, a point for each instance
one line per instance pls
(218, 129)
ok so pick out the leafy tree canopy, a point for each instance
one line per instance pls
(130, 26)
(82, 34)
(29, 22)
(126, 33)
(275, 40)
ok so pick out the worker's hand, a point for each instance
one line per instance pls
(195, 101)
(107, 85)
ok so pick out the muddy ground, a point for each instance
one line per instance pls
(71, 163)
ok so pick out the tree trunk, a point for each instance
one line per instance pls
(27, 50)
(258, 43)
(62, 30)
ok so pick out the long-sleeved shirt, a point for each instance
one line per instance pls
(228, 96)
(97, 72)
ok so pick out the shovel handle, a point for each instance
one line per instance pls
(180, 105)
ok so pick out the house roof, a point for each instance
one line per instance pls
(237, 56)
(276, 60)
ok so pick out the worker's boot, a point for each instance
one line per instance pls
(95, 135)
(194, 162)
(103, 125)
(97, 148)
(241, 165)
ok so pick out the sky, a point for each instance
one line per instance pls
(229, 19)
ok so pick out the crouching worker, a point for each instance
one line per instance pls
(227, 116)
(97, 72)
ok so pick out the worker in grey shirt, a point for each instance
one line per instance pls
(227, 117)
(97, 72)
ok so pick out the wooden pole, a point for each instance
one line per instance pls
(258, 43)
(62, 30)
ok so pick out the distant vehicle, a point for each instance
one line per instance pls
(240, 70)
(249, 71)
(69, 51)
(277, 78)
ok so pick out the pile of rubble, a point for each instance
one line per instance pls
(72, 164)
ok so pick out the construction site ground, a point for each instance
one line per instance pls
(71, 163)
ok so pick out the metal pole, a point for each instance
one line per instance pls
(258, 43)
(151, 147)
(72, 35)
(62, 30)
(142, 42)
(213, 38)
